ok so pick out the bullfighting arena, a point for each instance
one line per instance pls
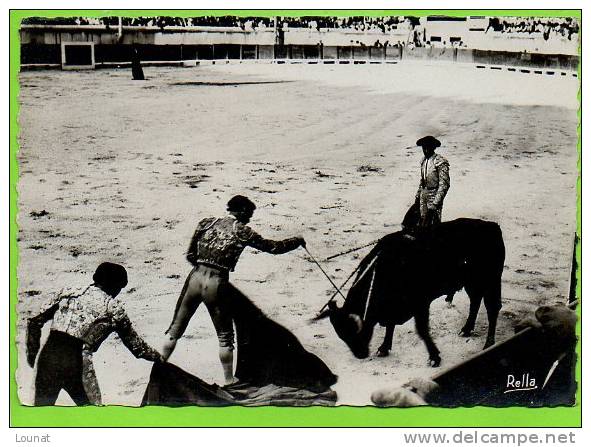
(122, 170)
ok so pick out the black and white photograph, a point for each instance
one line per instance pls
(295, 210)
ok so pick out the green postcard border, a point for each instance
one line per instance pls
(115, 416)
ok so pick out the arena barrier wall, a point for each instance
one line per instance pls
(489, 57)
(41, 47)
(430, 53)
(533, 60)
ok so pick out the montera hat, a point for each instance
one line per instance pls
(241, 204)
(429, 141)
(110, 274)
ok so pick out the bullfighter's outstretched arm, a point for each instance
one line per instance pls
(255, 240)
(131, 339)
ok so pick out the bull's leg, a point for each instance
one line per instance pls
(492, 302)
(422, 325)
(475, 300)
(384, 349)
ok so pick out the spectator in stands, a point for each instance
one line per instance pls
(546, 28)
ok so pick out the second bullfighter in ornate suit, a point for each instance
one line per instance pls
(214, 251)
(434, 182)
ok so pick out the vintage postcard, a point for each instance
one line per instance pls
(298, 210)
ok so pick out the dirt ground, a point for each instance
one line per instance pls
(125, 169)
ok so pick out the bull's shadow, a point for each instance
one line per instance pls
(401, 276)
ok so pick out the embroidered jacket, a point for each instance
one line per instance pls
(434, 179)
(220, 242)
(90, 315)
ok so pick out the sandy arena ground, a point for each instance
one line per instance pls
(126, 169)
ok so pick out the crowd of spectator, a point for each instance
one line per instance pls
(244, 23)
(383, 24)
(547, 27)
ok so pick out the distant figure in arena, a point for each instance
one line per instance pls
(82, 320)
(214, 251)
(136, 65)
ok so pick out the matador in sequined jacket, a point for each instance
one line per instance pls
(433, 188)
(81, 320)
(214, 251)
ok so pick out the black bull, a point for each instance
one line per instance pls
(401, 276)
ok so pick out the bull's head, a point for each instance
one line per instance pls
(349, 328)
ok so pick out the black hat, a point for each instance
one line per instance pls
(241, 204)
(429, 141)
(110, 274)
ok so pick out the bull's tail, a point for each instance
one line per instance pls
(493, 292)
(497, 250)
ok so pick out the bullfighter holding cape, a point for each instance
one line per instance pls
(214, 251)
(81, 321)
